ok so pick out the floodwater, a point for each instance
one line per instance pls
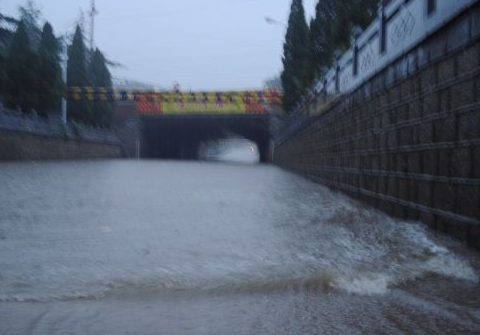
(158, 247)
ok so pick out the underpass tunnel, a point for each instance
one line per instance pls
(263, 145)
(181, 137)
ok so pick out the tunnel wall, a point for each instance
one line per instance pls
(179, 137)
(408, 140)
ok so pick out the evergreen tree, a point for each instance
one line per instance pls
(295, 57)
(3, 75)
(77, 75)
(20, 66)
(49, 72)
(363, 12)
(100, 77)
(5, 33)
(30, 15)
(350, 14)
(322, 42)
(5, 39)
(273, 83)
(331, 30)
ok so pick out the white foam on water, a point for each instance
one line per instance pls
(368, 284)
(451, 266)
(376, 252)
(439, 259)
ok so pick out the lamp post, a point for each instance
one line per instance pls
(269, 20)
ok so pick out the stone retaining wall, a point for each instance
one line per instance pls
(408, 140)
(28, 146)
(28, 137)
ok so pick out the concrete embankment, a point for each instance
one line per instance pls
(28, 137)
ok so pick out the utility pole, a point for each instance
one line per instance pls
(92, 14)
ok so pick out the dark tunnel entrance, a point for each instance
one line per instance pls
(179, 137)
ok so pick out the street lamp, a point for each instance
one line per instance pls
(269, 20)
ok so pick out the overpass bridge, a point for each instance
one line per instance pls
(173, 124)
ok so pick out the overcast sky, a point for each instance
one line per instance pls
(201, 44)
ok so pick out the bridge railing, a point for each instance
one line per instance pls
(177, 102)
(400, 26)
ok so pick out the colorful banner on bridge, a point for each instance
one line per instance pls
(207, 102)
(177, 102)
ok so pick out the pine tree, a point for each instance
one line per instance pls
(5, 33)
(30, 15)
(5, 39)
(350, 14)
(100, 77)
(20, 66)
(273, 83)
(49, 72)
(295, 57)
(3, 75)
(331, 30)
(77, 75)
(322, 42)
(363, 12)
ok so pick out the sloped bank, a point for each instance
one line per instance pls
(29, 137)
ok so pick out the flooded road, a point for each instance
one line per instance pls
(155, 247)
